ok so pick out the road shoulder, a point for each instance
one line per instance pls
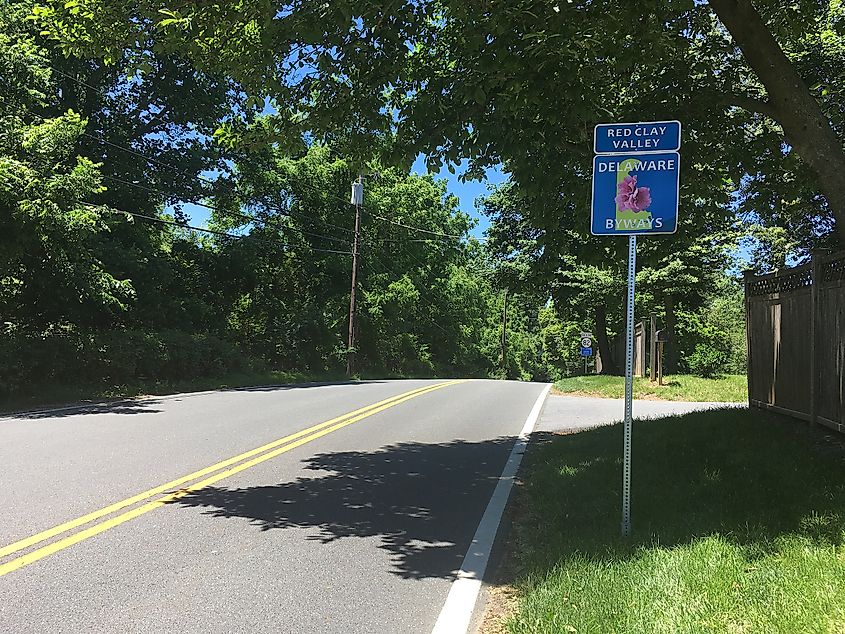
(561, 414)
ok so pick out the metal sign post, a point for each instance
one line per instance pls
(586, 348)
(636, 187)
(629, 386)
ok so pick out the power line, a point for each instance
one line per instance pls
(200, 177)
(410, 227)
(288, 212)
(383, 218)
(207, 180)
(229, 212)
(149, 159)
(410, 253)
(388, 220)
(71, 77)
(410, 240)
(173, 223)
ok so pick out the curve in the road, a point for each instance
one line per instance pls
(220, 470)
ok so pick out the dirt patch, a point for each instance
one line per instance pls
(557, 392)
(501, 604)
(502, 594)
(582, 394)
(502, 598)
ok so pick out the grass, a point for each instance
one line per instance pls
(731, 388)
(738, 522)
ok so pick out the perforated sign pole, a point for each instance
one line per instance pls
(636, 189)
(629, 386)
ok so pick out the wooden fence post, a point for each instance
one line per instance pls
(652, 347)
(660, 362)
(815, 330)
(641, 344)
(747, 276)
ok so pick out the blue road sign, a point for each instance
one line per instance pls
(621, 138)
(586, 352)
(635, 193)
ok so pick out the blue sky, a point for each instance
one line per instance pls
(467, 193)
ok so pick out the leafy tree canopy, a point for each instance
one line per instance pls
(520, 82)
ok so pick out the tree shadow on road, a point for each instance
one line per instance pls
(142, 405)
(423, 501)
(280, 387)
(125, 406)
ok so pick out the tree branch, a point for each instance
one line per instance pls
(752, 105)
(577, 148)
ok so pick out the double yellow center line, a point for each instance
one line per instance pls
(214, 473)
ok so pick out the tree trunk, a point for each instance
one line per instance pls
(791, 103)
(670, 361)
(607, 364)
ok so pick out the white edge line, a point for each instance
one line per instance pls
(457, 612)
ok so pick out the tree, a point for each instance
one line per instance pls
(519, 82)
(105, 284)
(52, 273)
(682, 280)
(789, 100)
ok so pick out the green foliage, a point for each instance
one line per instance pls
(707, 361)
(686, 276)
(704, 348)
(69, 356)
(48, 243)
(725, 310)
(515, 83)
(711, 339)
(99, 299)
(136, 114)
(560, 344)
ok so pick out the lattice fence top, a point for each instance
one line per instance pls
(781, 283)
(834, 270)
(830, 269)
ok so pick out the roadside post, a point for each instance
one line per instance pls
(636, 179)
(357, 200)
(586, 348)
(652, 347)
(661, 341)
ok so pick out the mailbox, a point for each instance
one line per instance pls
(662, 336)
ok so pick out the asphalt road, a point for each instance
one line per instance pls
(358, 525)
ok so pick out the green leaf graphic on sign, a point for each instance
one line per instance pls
(627, 219)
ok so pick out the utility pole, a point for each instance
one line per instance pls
(357, 200)
(505, 335)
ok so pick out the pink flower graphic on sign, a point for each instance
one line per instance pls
(640, 199)
(627, 187)
(631, 197)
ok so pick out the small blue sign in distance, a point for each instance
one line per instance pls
(635, 194)
(622, 138)
(586, 352)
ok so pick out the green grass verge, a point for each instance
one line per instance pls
(732, 388)
(738, 523)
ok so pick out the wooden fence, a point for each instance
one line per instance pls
(617, 350)
(795, 324)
